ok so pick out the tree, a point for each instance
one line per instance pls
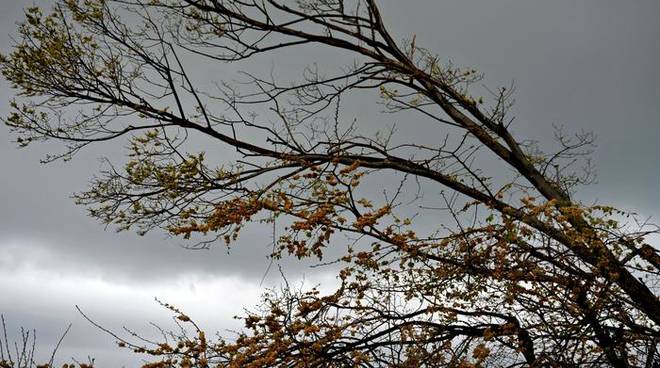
(519, 273)
(24, 349)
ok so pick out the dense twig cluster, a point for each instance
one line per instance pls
(21, 353)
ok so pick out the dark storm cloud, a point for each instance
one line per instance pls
(591, 65)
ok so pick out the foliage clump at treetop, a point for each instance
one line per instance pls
(512, 270)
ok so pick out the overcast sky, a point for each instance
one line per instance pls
(590, 64)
